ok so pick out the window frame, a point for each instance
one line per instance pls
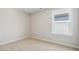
(61, 11)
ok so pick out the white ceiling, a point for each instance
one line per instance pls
(31, 10)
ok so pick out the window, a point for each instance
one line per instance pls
(61, 22)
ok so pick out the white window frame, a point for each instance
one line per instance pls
(61, 11)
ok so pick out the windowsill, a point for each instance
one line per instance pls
(62, 34)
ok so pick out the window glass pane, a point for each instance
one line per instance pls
(61, 28)
(61, 17)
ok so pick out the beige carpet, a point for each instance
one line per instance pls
(33, 45)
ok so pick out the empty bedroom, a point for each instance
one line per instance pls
(39, 29)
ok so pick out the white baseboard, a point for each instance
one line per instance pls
(60, 43)
(10, 41)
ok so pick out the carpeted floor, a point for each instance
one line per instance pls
(33, 45)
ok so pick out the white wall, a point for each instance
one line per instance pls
(14, 24)
(77, 26)
(2, 24)
(41, 27)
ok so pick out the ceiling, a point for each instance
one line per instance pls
(31, 10)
